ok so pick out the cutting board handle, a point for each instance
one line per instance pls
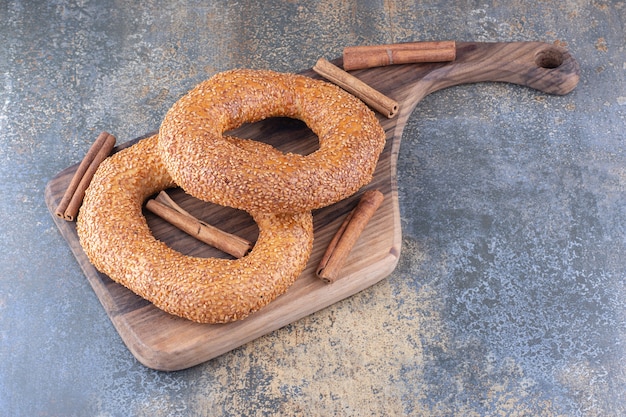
(542, 66)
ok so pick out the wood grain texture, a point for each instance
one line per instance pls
(164, 342)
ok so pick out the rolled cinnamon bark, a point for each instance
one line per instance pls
(369, 56)
(164, 207)
(73, 197)
(356, 87)
(346, 236)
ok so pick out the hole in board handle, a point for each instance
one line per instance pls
(549, 58)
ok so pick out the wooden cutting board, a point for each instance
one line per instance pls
(164, 342)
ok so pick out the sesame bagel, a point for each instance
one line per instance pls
(116, 238)
(205, 165)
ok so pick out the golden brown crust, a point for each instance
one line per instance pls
(115, 236)
(213, 169)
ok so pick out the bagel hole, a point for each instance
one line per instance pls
(228, 219)
(283, 133)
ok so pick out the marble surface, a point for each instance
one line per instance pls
(508, 299)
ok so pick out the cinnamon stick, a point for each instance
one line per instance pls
(346, 236)
(358, 88)
(369, 56)
(164, 207)
(73, 197)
